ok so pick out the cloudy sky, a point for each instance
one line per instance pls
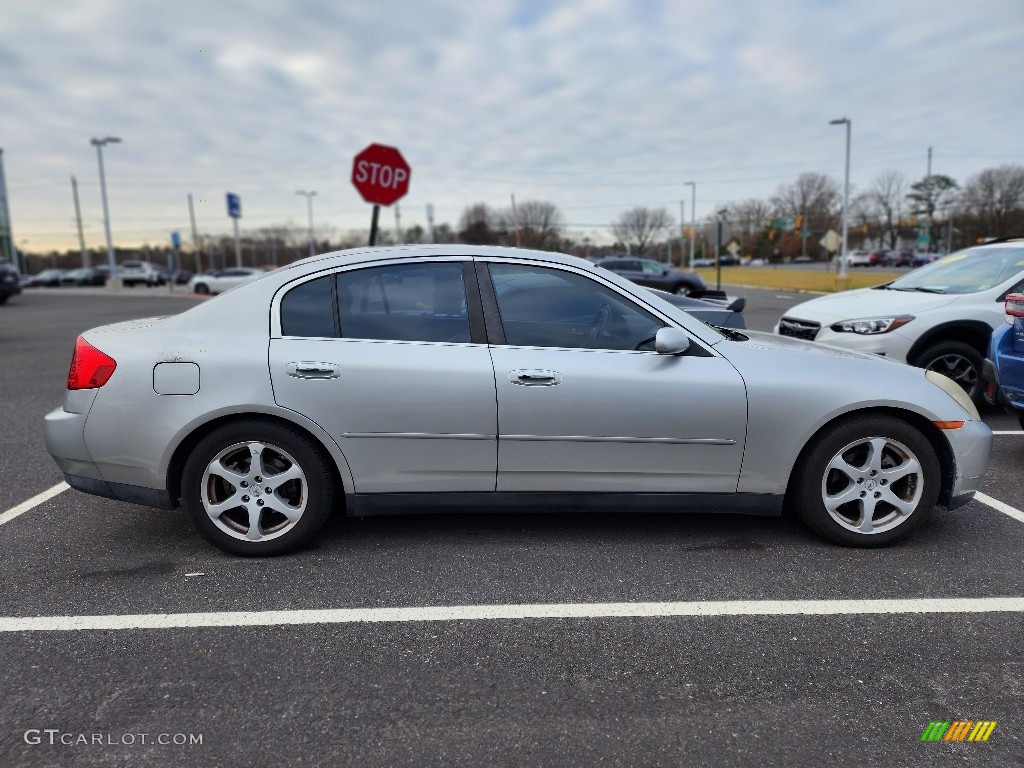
(595, 105)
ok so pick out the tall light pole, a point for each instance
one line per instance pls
(693, 216)
(115, 281)
(846, 194)
(718, 250)
(309, 204)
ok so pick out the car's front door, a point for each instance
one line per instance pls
(585, 404)
(397, 374)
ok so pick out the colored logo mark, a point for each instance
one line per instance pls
(958, 730)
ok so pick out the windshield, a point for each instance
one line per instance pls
(965, 271)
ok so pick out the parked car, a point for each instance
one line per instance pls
(1004, 365)
(384, 380)
(654, 274)
(899, 258)
(49, 278)
(224, 280)
(140, 273)
(721, 312)
(10, 281)
(938, 317)
(920, 259)
(83, 276)
(859, 259)
(803, 260)
(182, 277)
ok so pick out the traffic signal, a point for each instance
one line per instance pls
(864, 229)
(771, 234)
(686, 232)
(799, 223)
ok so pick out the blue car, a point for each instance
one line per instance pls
(1004, 368)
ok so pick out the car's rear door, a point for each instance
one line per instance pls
(585, 404)
(391, 360)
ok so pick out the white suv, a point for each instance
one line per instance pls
(135, 272)
(938, 317)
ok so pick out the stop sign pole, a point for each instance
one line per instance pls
(381, 176)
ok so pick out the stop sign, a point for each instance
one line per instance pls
(380, 174)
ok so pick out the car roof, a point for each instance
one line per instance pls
(367, 254)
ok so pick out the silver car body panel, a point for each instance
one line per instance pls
(423, 416)
(696, 434)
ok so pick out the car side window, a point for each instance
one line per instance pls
(408, 302)
(308, 309)
(650, 268)
(543, 307)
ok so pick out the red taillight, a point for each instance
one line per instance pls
(1015, 305)
(90, 368)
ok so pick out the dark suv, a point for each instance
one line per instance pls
(10, 281)
(653, 274)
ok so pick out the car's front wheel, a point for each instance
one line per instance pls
(868, 482)
(258, 488)
(202, 288)
(683, 289)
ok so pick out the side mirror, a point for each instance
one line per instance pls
(671, 341)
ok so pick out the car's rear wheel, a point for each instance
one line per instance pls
(869, 482)
(959, 361)
(258, 488)
(202, 288)
(683, 289)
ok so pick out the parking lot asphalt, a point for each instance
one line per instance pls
(795, 690)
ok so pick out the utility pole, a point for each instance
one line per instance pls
(114, 281)
(846, 197)
(309, 205)
(196, 249)
(430, 223)
(929, 163)
(398, 226)
(682, 234)
(86, 258)
(515, 219)
(693, 217)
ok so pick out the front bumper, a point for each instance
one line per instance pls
(971, 446)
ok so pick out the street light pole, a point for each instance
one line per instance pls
(309, 204)
(718, 251)
(846, 195)
(693, 216)
(115, 281)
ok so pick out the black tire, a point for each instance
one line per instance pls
(960, 362)
(683, 289)
(282, 446)
(1020, 418)
(202, 288)
(812, 480)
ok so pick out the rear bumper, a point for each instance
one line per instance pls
(64, 432)
(149, 497)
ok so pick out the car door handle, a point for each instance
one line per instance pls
(535, 377)
(309, 370)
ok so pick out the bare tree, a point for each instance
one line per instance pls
(814, 196)
(478, 225)
(749, 219)
(931, 194)
(884, 200)
(995, 198)
(640, 227)
(539, 223)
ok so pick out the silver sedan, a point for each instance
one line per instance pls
(392, 380)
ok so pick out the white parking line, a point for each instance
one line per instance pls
(35, 501)
(1006, 509)
(513, 612)
(1008, 431)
